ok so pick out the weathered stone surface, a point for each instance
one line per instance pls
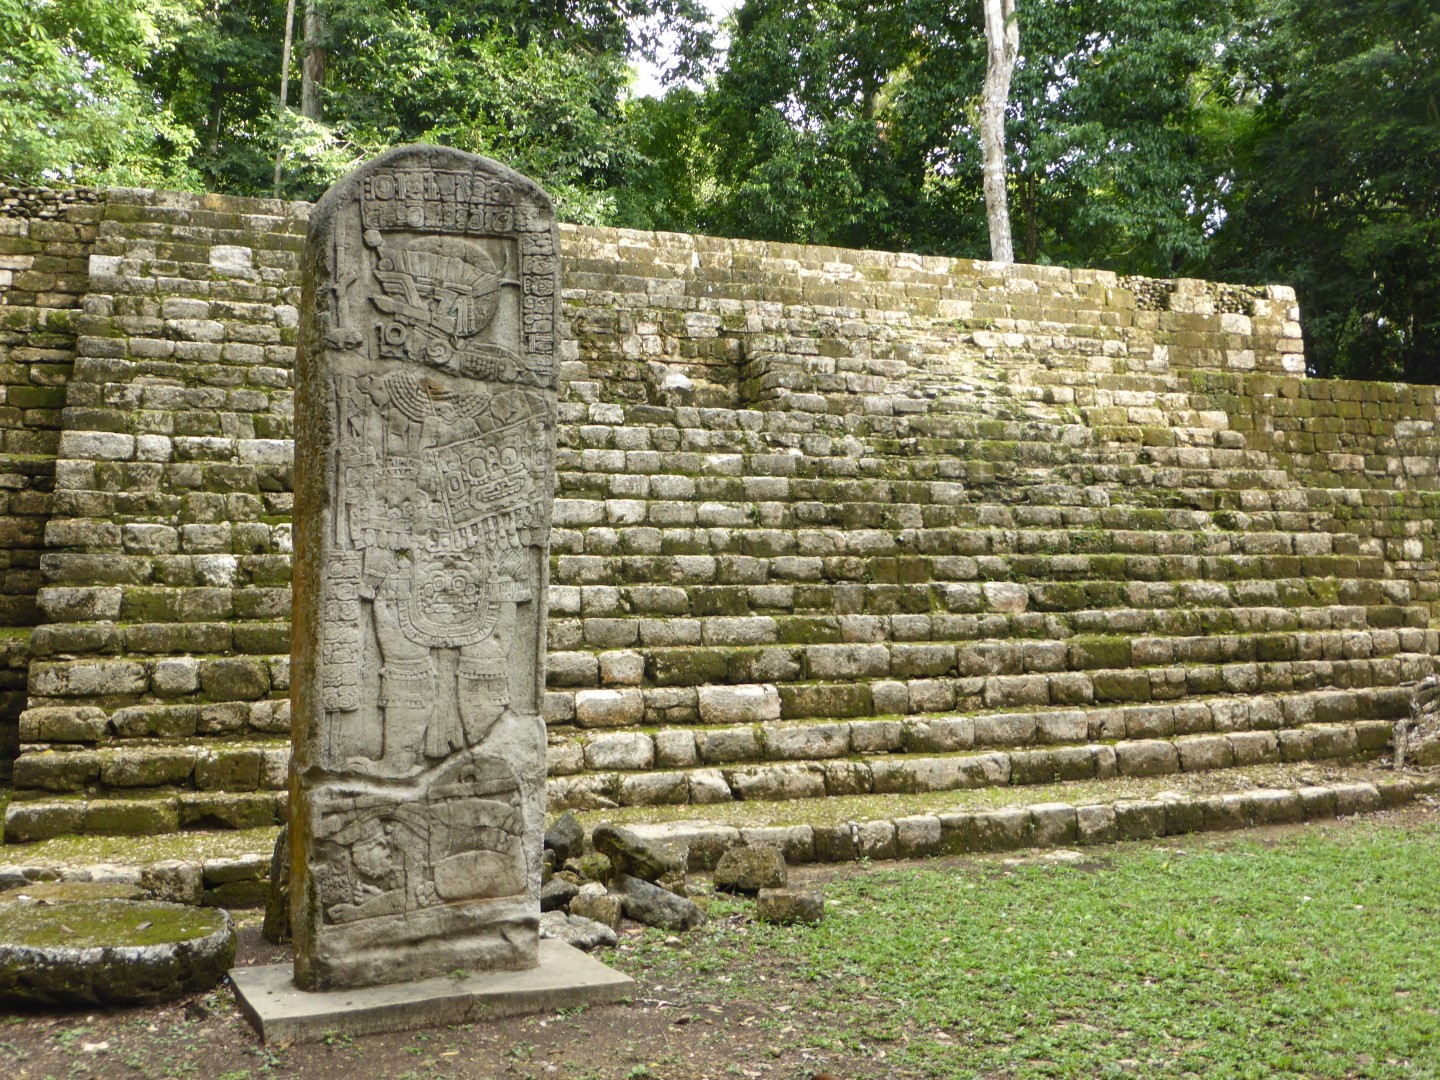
(102, 952)
(750, 869)
(56, 892)
(787, 906)
(557, 893)
(566, 838)
(631, 853)
(576, 930)
(424, 473)
(593, 902)
(654, 906)
(276, 928)
(1417, 737)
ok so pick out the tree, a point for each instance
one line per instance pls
(71, 108)
(1337, 179)
(1002, 46)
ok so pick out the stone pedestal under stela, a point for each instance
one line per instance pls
(424, 474)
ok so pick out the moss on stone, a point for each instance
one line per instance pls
(89, 924)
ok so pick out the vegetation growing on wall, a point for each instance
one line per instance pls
(1255, 140)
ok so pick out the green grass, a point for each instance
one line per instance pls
(1314, 957)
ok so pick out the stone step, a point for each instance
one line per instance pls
(636, 619)
(231, 868)
(229, 765)
(699, 566)
(735, 728)
(1000, 673)
(218, 868)
(1011, 819)
(151, 814)
(850, 698)
(911, 772)
(609, 617)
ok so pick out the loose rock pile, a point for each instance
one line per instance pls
(631, 876)
(584, 895)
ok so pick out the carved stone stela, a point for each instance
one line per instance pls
(425, 407)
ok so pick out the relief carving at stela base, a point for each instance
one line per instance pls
(424, 477)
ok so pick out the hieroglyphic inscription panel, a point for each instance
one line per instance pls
(425, 408)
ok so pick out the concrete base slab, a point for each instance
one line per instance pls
(565, 978)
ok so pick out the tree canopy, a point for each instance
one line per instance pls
(1252, 140)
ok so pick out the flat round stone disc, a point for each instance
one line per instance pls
(110, 951)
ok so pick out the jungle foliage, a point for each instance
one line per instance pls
(1249, 140)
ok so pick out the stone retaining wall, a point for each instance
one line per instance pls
(819, 512)
(45, 242)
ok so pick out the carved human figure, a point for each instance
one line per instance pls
(425, 413)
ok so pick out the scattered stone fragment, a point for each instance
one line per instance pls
(276, 928)
(566, 838)
(556, 893)
(632, 854)
(590, 867)
(750, 869)
(100, 952)
(603, 908)
(586, 934)
(650, 904)
(786, 906)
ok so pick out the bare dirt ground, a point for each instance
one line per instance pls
(676, 1026)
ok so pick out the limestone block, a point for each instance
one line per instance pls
(1148, 757)
(1139, 819)
(799, 741)
(919, 836)
(1275, 807)
(996, 830)
(797, 843)
(1053, 824)
(1254, 747)
(739, 704)
(675, 749)
(620, 750)
(776, 783)
(847, 661)
(175, 675)
(609, 708)
(1350, 798)
(1317, 802)
(940, 734)
(1203, 752)
(750, 869)
(1096, 825)
(709, 786)
(875, 840)
(1004, 596)
(622, 668)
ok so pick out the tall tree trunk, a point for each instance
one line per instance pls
(1002, 39)
(284, 90)
(312, 78)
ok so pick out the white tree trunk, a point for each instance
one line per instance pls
(284, 91)
(312, 73)
(1002, 38)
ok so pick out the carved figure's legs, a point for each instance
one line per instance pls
(483, 679)
(407, 688)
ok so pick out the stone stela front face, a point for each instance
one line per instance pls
(424, 475)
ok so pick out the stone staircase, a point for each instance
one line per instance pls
(830, 526)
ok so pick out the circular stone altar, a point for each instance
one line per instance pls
(110, 951)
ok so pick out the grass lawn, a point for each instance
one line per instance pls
(1285, 952)
(1312, 954)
